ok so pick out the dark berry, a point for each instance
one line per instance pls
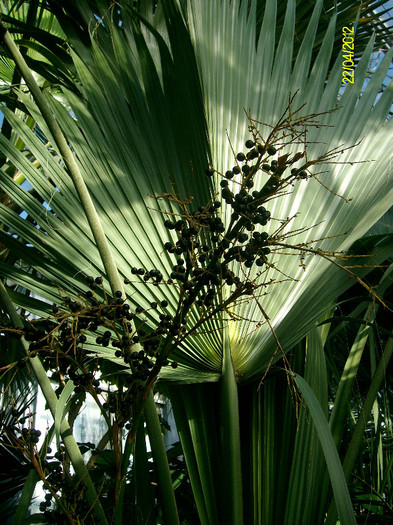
(243, 237)
(169, 224)
(271, 150)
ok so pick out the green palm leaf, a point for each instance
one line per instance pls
(126, 159)
(225, 106)
(372, 17)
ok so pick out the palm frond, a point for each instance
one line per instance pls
(264, 95)
(125, 159)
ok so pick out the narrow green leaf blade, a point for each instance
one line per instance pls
(61, 409)
(25, 499)
(339, 485)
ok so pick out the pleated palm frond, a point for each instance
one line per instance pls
(39, 34)
(138, 124)
(125, 160)
(262, 83)
(41, 41)
(16, 468)
(372, 16)
(157, 99)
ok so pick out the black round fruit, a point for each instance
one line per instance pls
(243, 237)
(271, 150)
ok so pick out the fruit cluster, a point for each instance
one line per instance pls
(30, 435)
(27, 435)
(206, 249)
(62, 339)
(64, 494)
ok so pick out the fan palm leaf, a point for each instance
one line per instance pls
(157, 102)
(373, 16)
(124, 160)
(266, 91)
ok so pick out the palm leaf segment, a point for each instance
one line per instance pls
(259, 80)
(140, 123)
